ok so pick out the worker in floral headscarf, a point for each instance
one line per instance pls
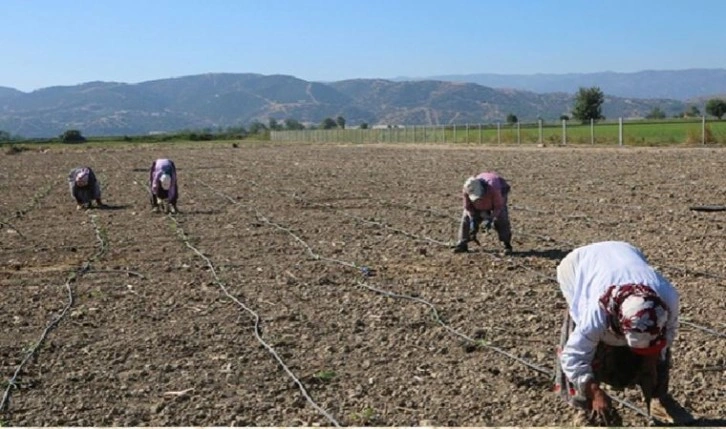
(163, 185)
(485, 200)
(84, 187)
(620, 324)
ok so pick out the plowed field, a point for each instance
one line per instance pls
(314, 284)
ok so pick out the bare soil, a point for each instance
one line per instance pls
(313, 284)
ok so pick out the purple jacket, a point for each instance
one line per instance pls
(496, 190)
(158, 168)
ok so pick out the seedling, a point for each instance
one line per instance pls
(325, 375)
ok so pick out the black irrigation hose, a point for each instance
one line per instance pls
(84, 268)
(42, 193)
(428, 239)
(10, 226)
(316, 256)
(256, 327)
(526, 268)
(12, 382)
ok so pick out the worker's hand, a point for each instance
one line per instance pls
(600, 404)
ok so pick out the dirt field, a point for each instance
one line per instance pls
(252, 306)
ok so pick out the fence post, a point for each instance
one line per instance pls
(519, 134)
(620, 131)
(539, 125)
(703, 130)
(499, 133)
(479, 132)
(592, 131)
(467, 132)
(564, 132)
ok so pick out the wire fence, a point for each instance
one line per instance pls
(694, 131)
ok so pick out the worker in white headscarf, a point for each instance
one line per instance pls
(620, 324)
(163, 185)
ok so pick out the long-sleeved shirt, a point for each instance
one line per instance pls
(584, 278)
(158, 168)
(84, 194)
(494, 198)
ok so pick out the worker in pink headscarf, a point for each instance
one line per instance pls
(84, 187)
(163, 185)
(485, 200)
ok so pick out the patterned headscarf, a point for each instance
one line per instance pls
(82, 177)
(637, 313)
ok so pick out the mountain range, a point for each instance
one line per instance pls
(221, 100)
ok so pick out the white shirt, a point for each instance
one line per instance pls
(584, 276)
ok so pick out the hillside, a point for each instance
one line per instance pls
(682, 85)
(223, 100)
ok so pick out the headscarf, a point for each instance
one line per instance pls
(81, 178)
(637, 312)
(165, 181)
(474, 188)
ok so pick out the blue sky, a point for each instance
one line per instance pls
(66, 42)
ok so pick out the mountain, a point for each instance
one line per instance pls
(226, 99)
(680, 85)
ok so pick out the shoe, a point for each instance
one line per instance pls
(668, 411)
(155, 209)
(461, 248)
(507, 249)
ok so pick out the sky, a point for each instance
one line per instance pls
(47, 43)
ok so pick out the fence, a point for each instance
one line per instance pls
(620, 132)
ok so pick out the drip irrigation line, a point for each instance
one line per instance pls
(256, 326)
(687, 270)
(363, 220)
(84, 268)
(12, 382)
(10, 226)
(385, 226)
(127, 272)
(453, 331)
(703, 328)
(448, 328)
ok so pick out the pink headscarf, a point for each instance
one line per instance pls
(82, 177)
(639, 314)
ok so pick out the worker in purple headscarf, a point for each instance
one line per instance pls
(162, 184)
(84, 187)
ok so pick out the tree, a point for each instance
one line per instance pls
(328, 123)
(716, 107)
(564, 118)
(257, 127)
(340, 121)
(5, 136)
(693, 112)
(293, 124)
(274, 125)
(656, 113)
(512, 118)
(364, 125)
(588, 104)
(72, 136)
